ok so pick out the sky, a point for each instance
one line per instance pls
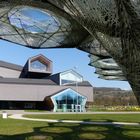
(63, 59)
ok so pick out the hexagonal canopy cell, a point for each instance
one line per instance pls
(38, 24)
(33, 20)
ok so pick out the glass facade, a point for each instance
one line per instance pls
(69, 101)
(37, 65)
(70, 77)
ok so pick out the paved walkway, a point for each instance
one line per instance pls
(20, 116)
(46, 112)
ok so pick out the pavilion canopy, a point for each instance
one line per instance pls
(49, 24)
(37, 24)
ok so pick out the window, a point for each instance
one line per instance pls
(63, 81)
(29, 105)
(37, 65)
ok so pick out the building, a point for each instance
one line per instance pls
(33, 86)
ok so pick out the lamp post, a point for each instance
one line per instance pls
(76, 84)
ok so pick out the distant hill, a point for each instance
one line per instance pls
(113, 96)
(107, 89)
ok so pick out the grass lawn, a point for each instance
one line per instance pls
(91, 117)
(11, 129)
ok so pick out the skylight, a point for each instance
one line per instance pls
(33, 20)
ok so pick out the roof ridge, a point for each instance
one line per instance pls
(10, 65)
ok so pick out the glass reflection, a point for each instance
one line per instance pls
(37, 65)
(64, 81)
(70, 101)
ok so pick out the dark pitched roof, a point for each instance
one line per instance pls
(84, 83)
(27, 81)
(10, 66)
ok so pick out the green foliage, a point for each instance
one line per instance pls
(114, 108)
